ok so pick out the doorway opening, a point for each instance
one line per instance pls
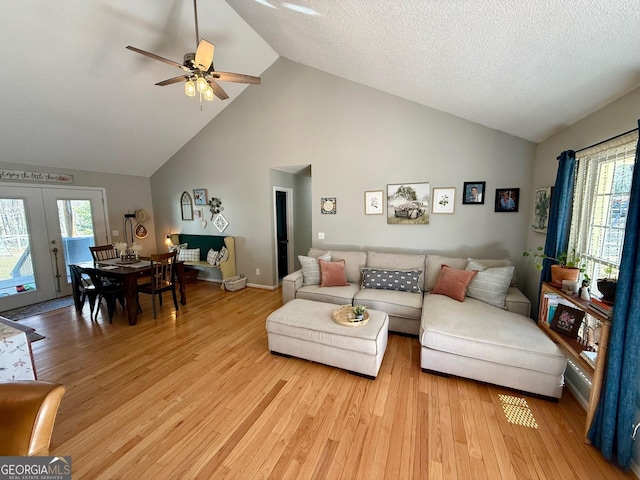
(283, 205)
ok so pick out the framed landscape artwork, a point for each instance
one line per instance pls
(541, 208)
(473, 193)
(443, 200)
(408, 203)
(507, 199)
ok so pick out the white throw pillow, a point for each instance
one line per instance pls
(212, 257)
(223, 256)
(490, 285)
(311, 269)
(173, 248)
(189, 255)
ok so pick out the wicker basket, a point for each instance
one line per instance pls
(235, 283)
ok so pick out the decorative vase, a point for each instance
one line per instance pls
(560, 272)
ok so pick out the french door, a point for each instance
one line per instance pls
(42, 230)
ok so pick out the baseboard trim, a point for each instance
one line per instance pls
(264, 287)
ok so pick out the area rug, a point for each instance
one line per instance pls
(31, 332)
(38, 308)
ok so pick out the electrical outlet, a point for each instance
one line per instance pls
(115, 233)
(257, 271)
(320, 235)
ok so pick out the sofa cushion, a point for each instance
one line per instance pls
(354, 261)
(311, 269)
(337, 295)
(453, 283)
(395, 303)
(332, 274)
(490, 285)
(435, 262)
(212, 257)
(383, 279)
(478, 330)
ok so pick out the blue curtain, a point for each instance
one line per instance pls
(560, 213)
(612, 426)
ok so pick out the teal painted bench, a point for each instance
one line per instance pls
(205, 243)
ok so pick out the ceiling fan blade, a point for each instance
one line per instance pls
(236, 77)
(159, 58)
(204, 55)
(217, 89)
(170, 81)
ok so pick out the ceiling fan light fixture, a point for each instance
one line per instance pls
(189, 88)
(208, 93)
(201, 84)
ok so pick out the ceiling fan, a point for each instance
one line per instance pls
(199, 73)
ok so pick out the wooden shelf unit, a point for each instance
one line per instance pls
(574, 347)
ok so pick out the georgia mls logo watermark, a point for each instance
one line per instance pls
(35, 468)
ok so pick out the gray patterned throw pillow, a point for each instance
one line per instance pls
(386, 279)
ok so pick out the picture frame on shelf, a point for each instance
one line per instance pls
(567, 320)
(199, 196)
(541, 208)
(507, 199)
(444, 199)
(473, 193)
(374, 202)
(408, 203)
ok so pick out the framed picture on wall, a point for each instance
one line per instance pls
(541, 208)
(473, 193)
(374, 202)
(507, 199)
(408, 203)
(443, 200)
(200, 196)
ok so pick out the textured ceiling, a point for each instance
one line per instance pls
(74, 97)
(524, 67)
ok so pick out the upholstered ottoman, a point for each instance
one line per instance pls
(305, 329)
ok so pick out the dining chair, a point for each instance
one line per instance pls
(28, 411)
(83, 288)
(103, 252)
(162, 278)
(107, 289)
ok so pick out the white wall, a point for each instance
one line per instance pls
(356, 139)
(125, 194)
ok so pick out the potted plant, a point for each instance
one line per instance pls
(358, 311)
(568, 265)
(607, 286)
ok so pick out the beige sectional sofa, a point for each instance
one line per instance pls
(472, 339)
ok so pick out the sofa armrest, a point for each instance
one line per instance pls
(290, 284)
(517, 302)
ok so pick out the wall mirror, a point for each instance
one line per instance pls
(186, 206)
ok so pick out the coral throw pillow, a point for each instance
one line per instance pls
(453, 283)
(332, 274)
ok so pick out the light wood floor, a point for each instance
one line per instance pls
(198, 395)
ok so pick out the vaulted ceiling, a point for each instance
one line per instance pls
(74, 97)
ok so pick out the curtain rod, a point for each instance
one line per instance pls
(607, 140)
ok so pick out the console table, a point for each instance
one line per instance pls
(575, 346)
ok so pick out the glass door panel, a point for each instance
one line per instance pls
(16, 264)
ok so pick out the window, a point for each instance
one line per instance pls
(601, 200)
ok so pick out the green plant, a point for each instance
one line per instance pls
(359, 309)
(609, 272)
(566, 259)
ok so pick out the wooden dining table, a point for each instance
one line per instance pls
(128, 274)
